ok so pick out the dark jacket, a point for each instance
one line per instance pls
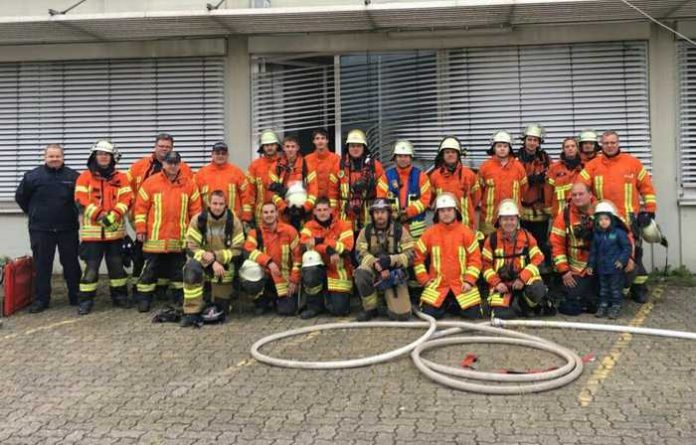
(609, 246)
(48, 197)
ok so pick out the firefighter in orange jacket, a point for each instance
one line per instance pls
(500, 177)
(570, 239)
(105, 197)
(511, 260)
(272, 250)
(328, 285)
(455, 263)
(326, 165)
(293, 184)
(561, 176)
(138, 173)
(259, 177)
(222, 175)
(164, 206)
(589, 145)
(362, 180)
(622, 179)
(451, 176)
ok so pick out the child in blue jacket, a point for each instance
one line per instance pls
(609, 254)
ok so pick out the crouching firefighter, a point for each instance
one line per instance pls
(449, 285)
(272, 250)
(511, 259)
(214, 238)
(105, 196)
(385, 252)
(327, 281)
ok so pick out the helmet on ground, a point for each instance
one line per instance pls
(450, 142)
(251, 277)
(403, 147)
(311, 258)
(269, 137)
(606, 206)
(213, 314)
(652, 234)
(296, 196)
(445, 201)
(534, 130)
(356, 137)
(588, 136)
(508, 207)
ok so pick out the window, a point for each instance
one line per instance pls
(687, 118)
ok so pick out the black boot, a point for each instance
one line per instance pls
(144, 304)
(37, 306)
(85, 307)
(366, 315)
(309, 313)
(639, 293)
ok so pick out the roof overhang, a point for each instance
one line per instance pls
(375, 17)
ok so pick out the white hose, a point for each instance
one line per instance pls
(461, 378)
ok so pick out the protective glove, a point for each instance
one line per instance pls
(278, 188)
(384, 261)
(644, 218)
(108, 220)
(296, 212)
(318, 240)
(330, 251)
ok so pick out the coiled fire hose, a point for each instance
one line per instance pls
(481, 382)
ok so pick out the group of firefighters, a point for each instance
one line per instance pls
(304, 233)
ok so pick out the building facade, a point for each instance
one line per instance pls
(419, 70)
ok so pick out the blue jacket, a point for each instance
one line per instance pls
(47, 196)
(608, 247)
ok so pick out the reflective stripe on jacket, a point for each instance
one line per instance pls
(98, 197)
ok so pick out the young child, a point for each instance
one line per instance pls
(609, 254)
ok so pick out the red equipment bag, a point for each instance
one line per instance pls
(18, 279)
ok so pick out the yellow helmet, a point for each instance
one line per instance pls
(356, 136)
(508, 207)
(269, 137)
(403, 147)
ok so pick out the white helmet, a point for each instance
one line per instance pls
(356, 137)
(296, 196)
(269, 137)
(311, 258)
(445, 201)
(403, 147)
(501, 136)
(652, 234)
(508, 207)
(534, 130)
(104, 145)
(451, 143)
(588, 136)
(251, 271)
(606, 206)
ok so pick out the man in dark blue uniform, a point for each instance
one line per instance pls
(47, 195)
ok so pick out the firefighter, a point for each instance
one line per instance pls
(214, 238)
(452, 250)
(511, 260)
(293, 184)
(138, 173)
(104, 195)
(570, 239)
(589, 145)
(275, 246)
(385, 252)
(220, 174)
(259, 177)
(361, 180)
(331, 286)
(451, 176)
(500, 177)
(535, 215)
(561, 176)
(622, 179)
(326, 165)
(165, 204)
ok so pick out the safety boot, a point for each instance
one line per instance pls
(602, 311)
(191, 320)
(614, 312)
(85, 307)
(308, 313)
(366, 315)
(639, 294)
(144, 305)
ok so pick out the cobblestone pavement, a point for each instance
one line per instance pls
(112, 377)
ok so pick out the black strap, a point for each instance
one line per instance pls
(523, 253)
(398, 232)
(202, 224)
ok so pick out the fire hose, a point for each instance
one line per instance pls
(438, 335)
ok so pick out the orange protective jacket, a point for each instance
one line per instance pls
(463, 185)
(455, 258)
(525, 265)
(287, 174)
(377, 188)
(163, 209)
(259, 178)
(281, 245)
(326, 166)
(623, 180)
(498, 182)
(559, 181)
(337, 237)
(229, 178)
(569, 251)
(414, 206)
(148, 166)
(99, 196)
(533, 197)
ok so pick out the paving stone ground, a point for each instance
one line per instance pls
(112, 377)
